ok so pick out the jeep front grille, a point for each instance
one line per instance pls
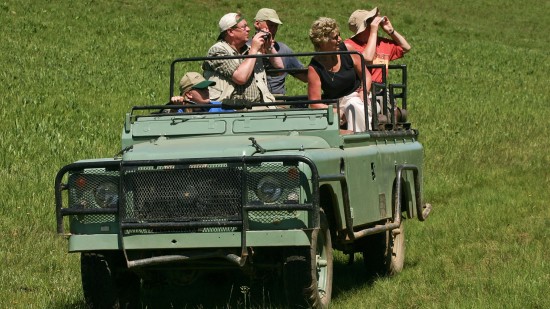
(205, 197)
(181, 194)
(198, 195)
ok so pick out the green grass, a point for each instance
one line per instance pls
(478, 93)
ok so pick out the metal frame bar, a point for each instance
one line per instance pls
(294, 102)
(301, 101)
(60, 212)
(312, 207)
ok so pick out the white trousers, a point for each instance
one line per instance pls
(353, 108)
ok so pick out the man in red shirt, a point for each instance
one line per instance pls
(375, 49)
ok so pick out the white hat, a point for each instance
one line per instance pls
(228, 20)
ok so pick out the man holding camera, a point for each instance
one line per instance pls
(239, 78)
(268, 18)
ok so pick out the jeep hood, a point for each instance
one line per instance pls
(164, 148)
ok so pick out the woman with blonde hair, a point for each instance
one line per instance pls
(337, 76)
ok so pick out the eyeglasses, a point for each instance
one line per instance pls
(243, 28)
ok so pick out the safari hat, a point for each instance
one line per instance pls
(356, 22)
(193, 80)
(268, 14)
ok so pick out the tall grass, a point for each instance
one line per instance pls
(478, 91)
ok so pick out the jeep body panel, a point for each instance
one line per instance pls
(219, 146)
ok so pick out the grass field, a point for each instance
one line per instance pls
(478, 93)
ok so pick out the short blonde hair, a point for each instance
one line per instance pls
(322, 30)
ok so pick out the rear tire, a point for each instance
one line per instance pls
(307, 271)
(107, 282)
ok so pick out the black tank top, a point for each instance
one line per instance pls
(338, 84)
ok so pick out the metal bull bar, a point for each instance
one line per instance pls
(312, 206)
(60, 211)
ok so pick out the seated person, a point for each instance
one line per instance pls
(337, 76)
(194, 90)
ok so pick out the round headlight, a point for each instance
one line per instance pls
(269, 189)
(106, 195)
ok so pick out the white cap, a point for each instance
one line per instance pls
(228, 20)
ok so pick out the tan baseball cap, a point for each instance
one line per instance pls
(193, 80)
(356, 22)
(265, 14)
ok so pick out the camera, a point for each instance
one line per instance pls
(266, 35)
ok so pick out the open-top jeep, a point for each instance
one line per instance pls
(251, 189)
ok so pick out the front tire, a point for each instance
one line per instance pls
(308, 271)
(397, 250)
(107, 283)
(384, 253)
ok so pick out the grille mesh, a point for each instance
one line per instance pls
(288, 181)
(83, 190)
(195, 194)
(181, 194)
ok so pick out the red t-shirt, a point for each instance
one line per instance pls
(386, 51)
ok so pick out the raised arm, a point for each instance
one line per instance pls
(397, 37)
(370, 50)
(276, 62)
(246, 68)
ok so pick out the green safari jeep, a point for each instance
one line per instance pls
(255, 189)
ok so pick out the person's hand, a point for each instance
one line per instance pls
(386, 25)
(257, 44)
(343, 119)
(269, 43)
(375, 23)
(176, 100)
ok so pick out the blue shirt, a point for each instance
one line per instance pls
(218, 109)
(213, 109)
(276, 83)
